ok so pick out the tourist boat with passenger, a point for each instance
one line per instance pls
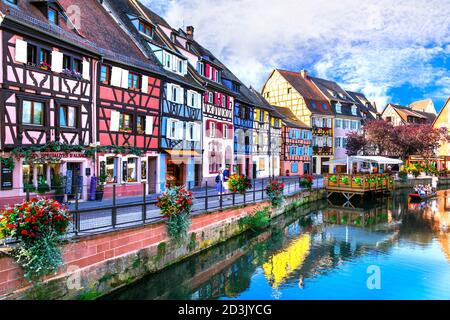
(417, 197)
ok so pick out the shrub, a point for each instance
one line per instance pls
(176, 204)
(40, 225)
(333, 179)
(306, 181)
(258, 220)
(275, 191)
(239, 183)
(345, 180)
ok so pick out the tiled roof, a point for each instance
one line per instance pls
(405, 112)
(99, 27)
(332, 90)
(421, 105)
(290, 119)
(123, 10)
(309, 92)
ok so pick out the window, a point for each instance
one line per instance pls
(44, 59)
(224, 101)
(217, 75)
(338, 108)
(132, 170)
(67, 62)
(344, 142)
(225, 131)
(354, 125)
(145, 28)
(112, 164)
(31, 54)
(140, 125)
(77, 65)
(68, 117)
(32, 113)
(174, 129)
(12, 1)
(105, 74)
(313, 105)
(176, 93)
(289, 90)
(210, 97)
(167, 60)
(294, 168)
(354, 110)
(194, 99)
(190, 134)
(52, 16)
(201, 68)
(125, 122)
(337, 142)
(346, 124)
(262, 165)
(338, 123)
(181, 66)
(324, 106)
(389, 119)
(212, 130)
(134, 81)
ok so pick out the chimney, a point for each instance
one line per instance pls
(304, 74)
(190, 32)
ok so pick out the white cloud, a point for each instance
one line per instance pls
(370, 46)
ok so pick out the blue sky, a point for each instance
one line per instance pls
(393, 51)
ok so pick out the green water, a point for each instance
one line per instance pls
(384, 249)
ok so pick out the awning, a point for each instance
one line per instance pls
(377, 159)
(183, 153)
(337, 162)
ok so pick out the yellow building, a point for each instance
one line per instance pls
(296, 91)
(443, 121)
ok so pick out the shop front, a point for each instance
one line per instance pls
(183, 168)
(44, 173)
(131, 174)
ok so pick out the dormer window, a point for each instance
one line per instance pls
(52, 16)
(145, 28)
(12, 2)
(201, 68)
(338, 108)
(354, 110)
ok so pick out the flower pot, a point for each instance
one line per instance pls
(99, 195)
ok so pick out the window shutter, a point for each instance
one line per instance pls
(21, 51)
(169, 92)
(144, 87)
(198, 134)
(213, 74)
(115, 119)
(116, 77)
(205, 97)
(180, 98)
(207, 70)
(57, 61)
(169, 128)
(125, 74)
(180, 129)
(216, 98)
(86, 70)
(149, 125)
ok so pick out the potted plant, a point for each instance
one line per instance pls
(100, 187)
(59, 187)
(306, 181)
(275, 191)
(42, 185)
(239, 184)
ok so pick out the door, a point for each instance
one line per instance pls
(255, 171)
(175, 174)
(247, 167)
(198, 175)
(152, 174)
(74, 180)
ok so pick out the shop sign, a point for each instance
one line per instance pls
(6, 178)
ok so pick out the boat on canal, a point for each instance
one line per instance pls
(418, 197)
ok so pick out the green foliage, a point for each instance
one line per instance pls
(178, 226)
(258, 220)
(333, 179)
(39, 258)
(345, 180)
(60, 182)
(275, 191)
(8, 163)
(42, 185)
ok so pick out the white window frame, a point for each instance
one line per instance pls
(170, 122)
(212, 132)
(354, 110)
(210, 97)
(224, 101)
(196, 97)
(338, 108)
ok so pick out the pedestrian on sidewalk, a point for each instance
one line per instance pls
(220, 182)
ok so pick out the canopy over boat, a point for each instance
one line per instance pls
(371, 160)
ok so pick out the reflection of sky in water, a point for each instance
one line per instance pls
(324, 255)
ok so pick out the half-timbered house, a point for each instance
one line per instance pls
(218, 101)
(128, 92)
(296, 150)
(181, 96)
(296, 91)
(46, 98)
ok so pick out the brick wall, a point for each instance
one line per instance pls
(112, 254)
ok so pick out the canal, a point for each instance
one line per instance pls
(384, 249)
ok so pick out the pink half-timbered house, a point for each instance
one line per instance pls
(46, 98)
(127, 104)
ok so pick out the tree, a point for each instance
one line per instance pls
(356, 143)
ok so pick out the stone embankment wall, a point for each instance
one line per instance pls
(99, 264)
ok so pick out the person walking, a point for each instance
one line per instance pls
(220, 182)
(226, 177)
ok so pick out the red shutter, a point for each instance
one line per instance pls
(220, 99)
(213, 70)
(219, 130)
(205, 97)
(216, 98)
(207, 70)
(228, 102)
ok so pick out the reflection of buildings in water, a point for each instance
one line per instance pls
(282, 264)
